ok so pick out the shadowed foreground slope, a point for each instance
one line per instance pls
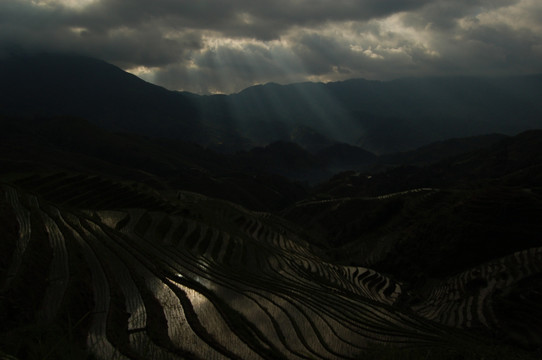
(195, 277)
(128, 275)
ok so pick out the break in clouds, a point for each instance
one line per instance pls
(209, 46)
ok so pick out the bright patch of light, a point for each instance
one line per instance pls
(191, 65)
(369, 53)
(73, 4)
(140, 70)
(524, 15)
(246, 18)
(144, 72)
(78, 30)
(217, 42)
(122, 31)
(401, 38)
(356, 48)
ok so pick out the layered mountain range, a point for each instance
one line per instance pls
(380, 117)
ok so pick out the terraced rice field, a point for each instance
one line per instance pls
(205, 279)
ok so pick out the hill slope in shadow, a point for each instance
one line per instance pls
(381, 117)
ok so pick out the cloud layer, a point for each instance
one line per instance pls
(226, 45)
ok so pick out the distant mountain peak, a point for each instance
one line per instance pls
(380, 116)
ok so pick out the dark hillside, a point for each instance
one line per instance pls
(66, 143)
(440, 150)
(436, 219)
(398, 115)
(381, 117)
(52, 85)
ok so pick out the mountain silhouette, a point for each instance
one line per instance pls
(71, 85)
(382, 117)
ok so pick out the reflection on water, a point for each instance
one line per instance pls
(111, 218)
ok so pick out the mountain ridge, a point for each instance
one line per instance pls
(381, 117)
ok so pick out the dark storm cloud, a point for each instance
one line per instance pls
(488, 37)
(243, 18)
(212, 45)
(231, 16)
(61, 28)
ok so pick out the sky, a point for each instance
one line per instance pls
(224, 46)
